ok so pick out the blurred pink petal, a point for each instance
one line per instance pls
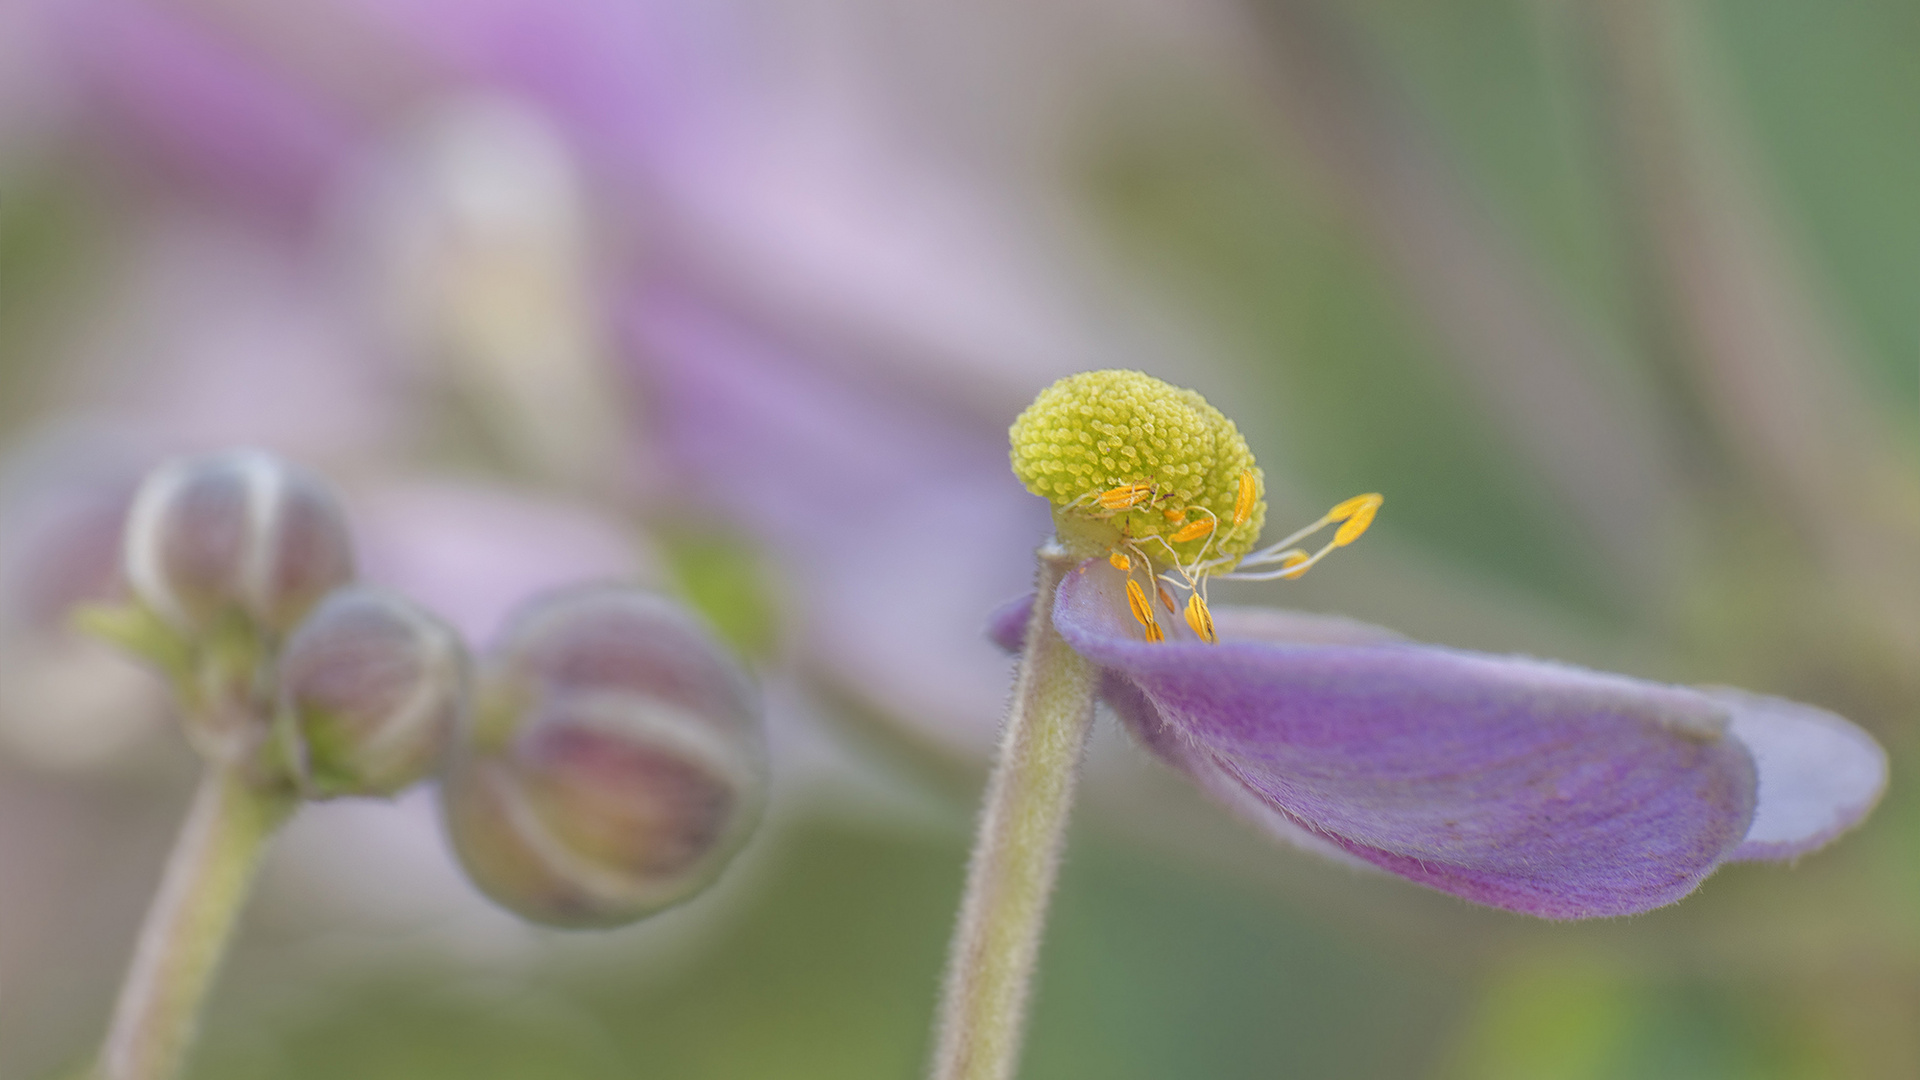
(893, 516)
(207, 107)
(214, 337)
(472, 552)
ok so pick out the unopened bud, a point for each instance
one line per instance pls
(616, 761)
(370, 688)
(240, 532)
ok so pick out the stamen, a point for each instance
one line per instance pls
(1194, 531)
(1129, 462)
(1359, 512)
(1278, 549)
(1143, 611)
(1291, 572)
(1173, 556)
(1350, 507)
(1292, 565)
(1125, 497)
(1356, 514)
(1200, 617)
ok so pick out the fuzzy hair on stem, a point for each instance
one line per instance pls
(1016, 854)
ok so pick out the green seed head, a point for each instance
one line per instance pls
(1123, 456)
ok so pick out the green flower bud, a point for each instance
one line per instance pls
(615, 763)
(235, 533)
(370, 689)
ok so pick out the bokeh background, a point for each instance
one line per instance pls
(1615, 302)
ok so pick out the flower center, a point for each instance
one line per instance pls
(1147, 473)
(1125, 457)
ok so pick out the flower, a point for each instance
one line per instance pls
(1144, 473)
(1523, 784)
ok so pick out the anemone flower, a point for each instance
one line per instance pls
(1517, 783)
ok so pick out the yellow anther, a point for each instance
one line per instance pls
(1125, 497)
(1166, 599)
(1201, 619)
(1354, 505)
(1243, 502)
(1294, 563)
(1175, 514)
(1121, 562)
(1193, 531)
(1143, 611)
(1357, 513)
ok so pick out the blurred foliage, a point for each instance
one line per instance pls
(831, 973)
(1573, 1018)
(1832, 93)
(1515, 96)
(725, 578)
(1348, 382)
(46, 229)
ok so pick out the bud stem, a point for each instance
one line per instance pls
(187, 928)
(1017, 852)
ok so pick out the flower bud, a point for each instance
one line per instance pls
(615, 763)
(240, 532)
(370, 687)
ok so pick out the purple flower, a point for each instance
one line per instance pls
(1518, 783)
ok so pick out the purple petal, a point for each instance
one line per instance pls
(218, 337)
(1819, 774)
(1522, 784)
(246, 101)
(624, 78)
(207, 106)
(1007, 625)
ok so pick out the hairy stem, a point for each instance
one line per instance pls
(1017, 851)
(187, 928)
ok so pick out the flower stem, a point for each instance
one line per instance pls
(187, 928)
(1017, 851)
